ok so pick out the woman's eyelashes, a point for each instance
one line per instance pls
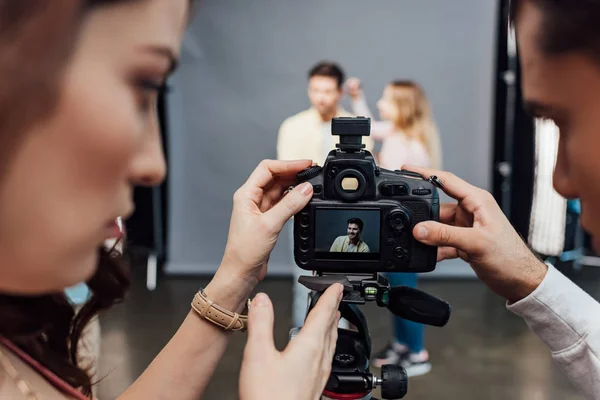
(148, 92)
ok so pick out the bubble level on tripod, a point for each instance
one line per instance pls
(371, 291)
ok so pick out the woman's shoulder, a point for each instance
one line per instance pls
(19, 381)
(9, 388)
(419, 154)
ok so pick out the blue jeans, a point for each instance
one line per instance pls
(407, 332)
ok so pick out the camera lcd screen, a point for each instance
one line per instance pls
(347, 234)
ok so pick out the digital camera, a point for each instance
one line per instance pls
(361, 217)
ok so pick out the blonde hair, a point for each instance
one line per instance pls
(414, 118)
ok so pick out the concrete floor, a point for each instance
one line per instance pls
(484, 352)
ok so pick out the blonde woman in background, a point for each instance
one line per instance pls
(409, 136)
(407, 130)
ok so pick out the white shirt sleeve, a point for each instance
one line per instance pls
(567, 319)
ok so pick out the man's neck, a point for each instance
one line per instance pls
(354, 241)
(328, 116)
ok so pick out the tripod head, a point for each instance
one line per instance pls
(402, 301)
(350, 377)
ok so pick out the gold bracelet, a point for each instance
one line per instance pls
(219, 316)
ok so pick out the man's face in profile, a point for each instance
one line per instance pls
(324, 94)
(353, 231)
(566, 89)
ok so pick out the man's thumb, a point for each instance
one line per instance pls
(260, 324)
(438, 234)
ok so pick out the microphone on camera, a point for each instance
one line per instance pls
(418, 306)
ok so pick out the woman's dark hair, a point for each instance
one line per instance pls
(37, 38)
(356, 221)
(568, 25)
(330, 69)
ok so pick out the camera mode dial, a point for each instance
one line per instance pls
(309, 173)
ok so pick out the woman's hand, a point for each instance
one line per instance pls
(260, 210)
(300, 372)
(476, 230)
(353, 87)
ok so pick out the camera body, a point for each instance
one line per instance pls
(361, 217)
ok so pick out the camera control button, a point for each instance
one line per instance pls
(304, 220)
(317, 189)
(386, 190)
(304, 245)
(304, 233)
(389, 265)
(399, 190)
(393, 190)
(421, 191)
(400, 253)
(391, 242)
(304, 259)
(398, 220)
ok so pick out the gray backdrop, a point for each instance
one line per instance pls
(244, 70)
(330, 224)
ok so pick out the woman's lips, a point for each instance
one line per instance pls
(113, 230)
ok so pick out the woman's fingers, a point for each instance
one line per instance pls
(315, 335)
(324, 314)
(260, 327)
(268, 170)
(276, 192)
(288, 206)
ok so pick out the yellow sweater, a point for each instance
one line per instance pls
(301, 137)
(342, 242)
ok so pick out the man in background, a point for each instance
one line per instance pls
(351, 242)
(307, 136)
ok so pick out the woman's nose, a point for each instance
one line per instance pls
(149, 168)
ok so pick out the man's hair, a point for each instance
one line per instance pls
(356, 221)
(568, 25)
(330, 69)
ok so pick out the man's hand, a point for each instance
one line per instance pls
(476, 230)
(353, 87)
